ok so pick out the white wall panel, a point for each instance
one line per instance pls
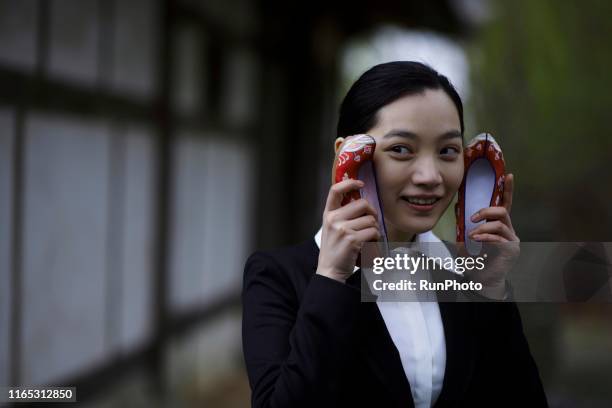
(135, 43)
(229, 197)
(187, 255)
(65, 246)
(74, 27)
(18, 33)
(138, 237)
(212, 225)
(189, 75)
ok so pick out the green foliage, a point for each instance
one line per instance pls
(542, 84)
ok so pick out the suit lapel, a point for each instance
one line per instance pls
(381, 355)
(458, 322)
(375, 344)
(378, 350)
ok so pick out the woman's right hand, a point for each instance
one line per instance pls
(345, 229)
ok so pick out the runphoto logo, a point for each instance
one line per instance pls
(411, 263)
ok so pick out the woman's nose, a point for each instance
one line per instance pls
(426, 173)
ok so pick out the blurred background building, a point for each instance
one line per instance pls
(148, 146)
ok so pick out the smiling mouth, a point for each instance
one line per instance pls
(421, 201)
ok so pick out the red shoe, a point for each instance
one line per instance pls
(355, 160)
(482, 186)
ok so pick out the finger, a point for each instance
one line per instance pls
(337, 191)
(508, 190)
(367, 221)
(354, 209)
(494, 227)
(368, 234)
(493, 214)
(489, 238)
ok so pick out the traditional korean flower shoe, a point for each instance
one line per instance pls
(355, 160)
(482, 186)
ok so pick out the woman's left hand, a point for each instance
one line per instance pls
(499, 231)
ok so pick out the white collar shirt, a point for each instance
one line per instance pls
(418, 334)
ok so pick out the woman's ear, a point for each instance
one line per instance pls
(337, 144)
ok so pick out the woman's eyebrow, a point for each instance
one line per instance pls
(451, 134)
(401, 133)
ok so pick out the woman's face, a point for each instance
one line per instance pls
(418, 161)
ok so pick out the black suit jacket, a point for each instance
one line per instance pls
(309, 341)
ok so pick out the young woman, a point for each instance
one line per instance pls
(308, 339)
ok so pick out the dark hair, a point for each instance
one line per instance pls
(383, 84)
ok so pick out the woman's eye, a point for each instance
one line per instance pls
(450, 152)
(401, 149)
